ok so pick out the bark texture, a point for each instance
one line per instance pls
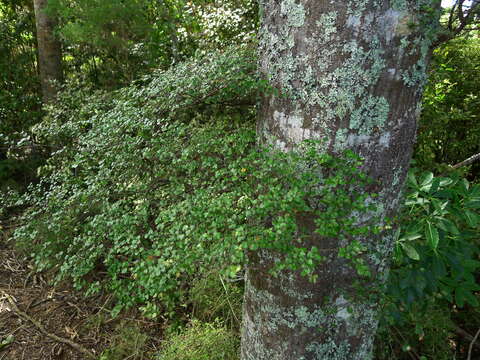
(49, 51)
(350, 72)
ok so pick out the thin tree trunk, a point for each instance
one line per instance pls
(49, 51)
(350, 72)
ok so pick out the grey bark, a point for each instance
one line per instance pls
(350, 72)
(49, 51)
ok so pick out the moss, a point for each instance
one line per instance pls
(330, 320)
(399, 5)
(341, 139)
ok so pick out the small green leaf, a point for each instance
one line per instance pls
(7, 341)
(472, 218)
(431, 233)
(410, 236)
(473, 203)
(412, 180)
(448, 226)
(426, 181)
(445, 182)
(460, 296)
(410, 251)
(396, 236)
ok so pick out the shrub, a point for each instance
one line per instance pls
(437, 248)
(163, 183)
(433, 281)
(449, 128)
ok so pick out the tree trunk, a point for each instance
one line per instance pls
(350, 72)
(49, 51)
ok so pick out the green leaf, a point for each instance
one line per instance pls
(445, 181)
(410, 251)
(473, 203)
(463, 295)
(471, 298)
(472, 218)
(439, 206)
(475, 191)
(396, 236)
(410, 237)
(412, 181)
(431, 233)
(426, 181)
(6, 341)
(448, 226)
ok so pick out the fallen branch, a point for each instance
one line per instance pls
(471, 345)
(466, 336)
(466, 162)
(40, 327)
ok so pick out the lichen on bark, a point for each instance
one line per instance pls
(351, 73)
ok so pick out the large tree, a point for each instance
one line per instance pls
(350, 72)
(49, 50)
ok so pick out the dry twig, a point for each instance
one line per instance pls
(459, 331)
(468, 161)
(471, 345)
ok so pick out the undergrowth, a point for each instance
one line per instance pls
(201, 341)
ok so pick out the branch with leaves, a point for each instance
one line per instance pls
(460, 16)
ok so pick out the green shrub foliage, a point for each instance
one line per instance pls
(437, 249)
(164, 181)
(449, 130)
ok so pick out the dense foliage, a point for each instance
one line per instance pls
(156, 191)
(111, 43)
(136, 201)
(449, 130)
(437, 250)
(435, 268)
(19, 97)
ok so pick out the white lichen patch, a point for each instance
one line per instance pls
(388, 24)
(295, 12)
(354, 22)
(370, 116)
(326, 22)
(342, 308)
(384, 139)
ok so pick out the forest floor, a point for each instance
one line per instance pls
(39, 321)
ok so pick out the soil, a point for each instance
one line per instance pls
(62, 312)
